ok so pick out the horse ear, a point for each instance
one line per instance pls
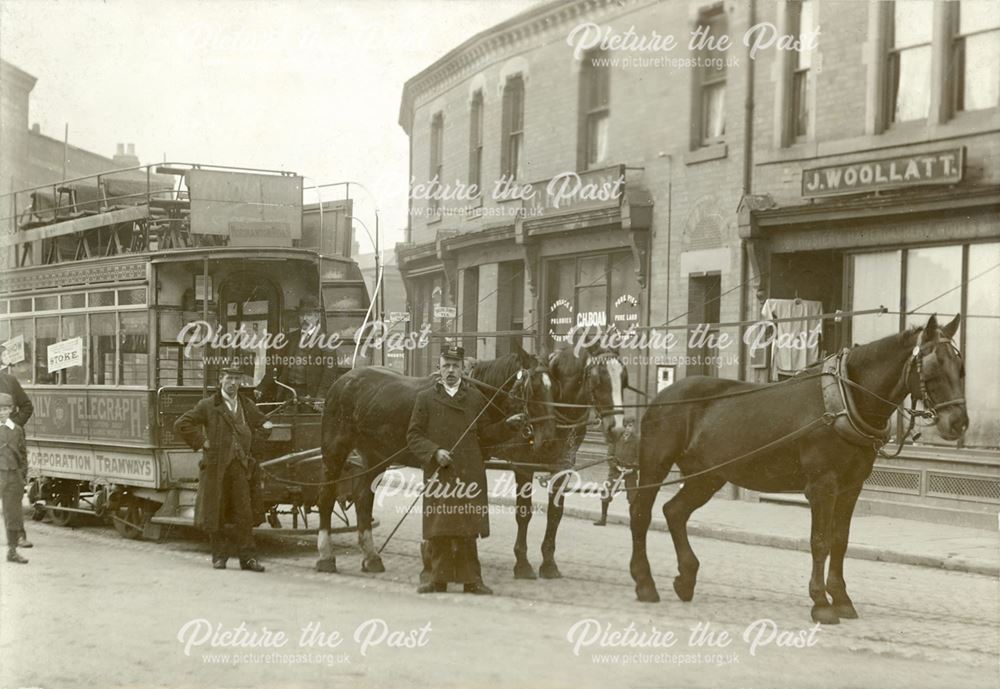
(950, 329)
(930, 330)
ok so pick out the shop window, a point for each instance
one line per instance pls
(704, 296)
(938, 280)
(437, 161)
(982, 346)
(476, 143)
(975, 54)
(595, 92)
(710, 99)
(133, 347)
(512, 145)
(102, 348)
(590, 291)
(72, 327)
(909, 61)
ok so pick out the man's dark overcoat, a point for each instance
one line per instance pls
(437, 422)
(206, 421)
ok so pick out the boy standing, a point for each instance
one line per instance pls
(13, 474)
(623, 468)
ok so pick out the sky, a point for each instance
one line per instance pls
(311, 86)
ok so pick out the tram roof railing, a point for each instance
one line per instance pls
(150, 178)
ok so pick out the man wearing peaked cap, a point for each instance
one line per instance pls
(304, 363)
(13, 475)
(446, 433)
(23, 409)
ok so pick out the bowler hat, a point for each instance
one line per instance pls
(453, 351)
(6, 400)
(308, 303)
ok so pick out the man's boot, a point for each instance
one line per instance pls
(603, 521)
(12, 555)
(22, 540)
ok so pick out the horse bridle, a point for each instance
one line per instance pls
(592, 365)
(522, 391)
(921, 351)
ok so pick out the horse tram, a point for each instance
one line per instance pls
(129, 291)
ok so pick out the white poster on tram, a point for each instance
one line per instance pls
(65, 354)
(13, 351)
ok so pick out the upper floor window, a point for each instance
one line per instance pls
(975, 65)
(512, 131)
(595, 87)
(909, 61)
(803, 25)
(476, 142)
(437, 156)
(711, 97)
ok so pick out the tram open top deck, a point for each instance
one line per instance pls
(106, 275)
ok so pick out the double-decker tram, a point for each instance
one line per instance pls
(123, 296)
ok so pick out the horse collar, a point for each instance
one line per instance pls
(841, 411)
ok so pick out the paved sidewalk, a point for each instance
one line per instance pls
(873, 537)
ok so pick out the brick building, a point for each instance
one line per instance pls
(653, 143)
(876, 183)
(857, 171)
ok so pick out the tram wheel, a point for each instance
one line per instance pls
(131, 517)
(65, 499)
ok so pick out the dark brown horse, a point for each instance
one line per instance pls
(368, 410)
(586, 379)
(792, 436)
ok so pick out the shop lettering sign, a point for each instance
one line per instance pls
(444, 312)
(577, 191)
(65, 354)
(560, 319)
(936, 167)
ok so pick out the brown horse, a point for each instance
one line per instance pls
(818, 432)
(586, 379)
(368, 410)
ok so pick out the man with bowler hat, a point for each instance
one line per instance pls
(448, 428)
(224, 426)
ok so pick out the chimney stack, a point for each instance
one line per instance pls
(125, 156)
(131, 149)
(120, 149)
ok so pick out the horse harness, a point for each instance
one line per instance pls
(842, 412)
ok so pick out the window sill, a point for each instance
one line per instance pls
(706, 153)
(435, 218)
(902, 134)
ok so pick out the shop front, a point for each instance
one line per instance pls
(875, 265)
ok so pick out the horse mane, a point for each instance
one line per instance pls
(878, 350)
(497, 371)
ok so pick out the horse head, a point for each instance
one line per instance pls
(534, 390)
(935, 374)
(594, 375)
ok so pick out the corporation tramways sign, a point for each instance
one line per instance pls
(933, 167)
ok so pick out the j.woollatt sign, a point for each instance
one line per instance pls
(935, 167)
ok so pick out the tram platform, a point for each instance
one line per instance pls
(873, 537)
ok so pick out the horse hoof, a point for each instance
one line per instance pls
(549, 570)
(845, 611)
(328, 566)
(374, 565)
(647, 594)
(684, 588)
(524, 570)
(824, 614)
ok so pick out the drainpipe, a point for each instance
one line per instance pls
(747, 182)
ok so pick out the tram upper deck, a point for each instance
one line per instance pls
(113, 282)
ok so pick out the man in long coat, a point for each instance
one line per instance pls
(224, 427)
(446, 433)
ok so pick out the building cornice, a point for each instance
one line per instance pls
(503, 39)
